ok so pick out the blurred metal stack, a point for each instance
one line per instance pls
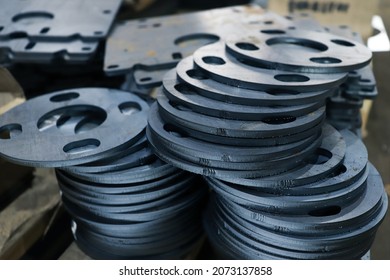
(55, 44)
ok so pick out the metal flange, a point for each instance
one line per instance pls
(72, 127)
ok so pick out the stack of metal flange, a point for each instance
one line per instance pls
(145, 62)
(248, 113)
(343, 109)
(53, 45)
(40, 31)
(125, 202)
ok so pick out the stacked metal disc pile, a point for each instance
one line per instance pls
(40, 31)
(248, 114)
(53, 45)
(125, 203)
(343, 109)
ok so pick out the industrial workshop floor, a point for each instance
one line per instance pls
(378, 138)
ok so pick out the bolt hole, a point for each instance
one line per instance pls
(129, 108)
(98, 32)
(343, 43)
(320, 157)
(179, 107)
(196, 74)
(155, 25)
(272, 31)
(268, 22)
(184, 89)
(325, 60)
(30, 45)
(112, 66)
(292, 78)
(10, 131)
(325, 211)
(247, 46)
(282, 92)
(107, 12)
(177, 55)
(64, 97)
(81, 146)
(145, 79)
(213, 60)
(86, 48)
(175, 131)
(45, 30)
(339, 170)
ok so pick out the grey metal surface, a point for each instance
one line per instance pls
(228, 69)
(72, 127)
(56, 19)
(299, 50)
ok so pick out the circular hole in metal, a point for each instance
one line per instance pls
(175, 131)
(73, 119)
(145, 79)
(321, 156)
(289, 17)
(82, 146)
(86, 48)
(279, 120)
(278, 92)
(343, 43)
(184, 89)
(112, 66)
(268, 22)
(325, 211)
(98, 32)
(292, 27)
(33, 17)
(197, 74)
(195, 40)
(129, 108)
(213, 60)
(292, 78)
(107, 12)
(306, 43)
(179, 107)
(339, 170)
(325, 60)
(273, 31)
(30, 45)
(247, 46)
(45, 30)
(1, 28)
(9, 131)
(64, 97)
(156, 25)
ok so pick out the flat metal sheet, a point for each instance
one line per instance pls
(300, 51)
(56, 19)
(225, 68)
(132, 44)
(71, 127)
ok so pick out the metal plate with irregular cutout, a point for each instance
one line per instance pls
(223, 67)
(299, 51)
(72, 127)
(56, 19)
